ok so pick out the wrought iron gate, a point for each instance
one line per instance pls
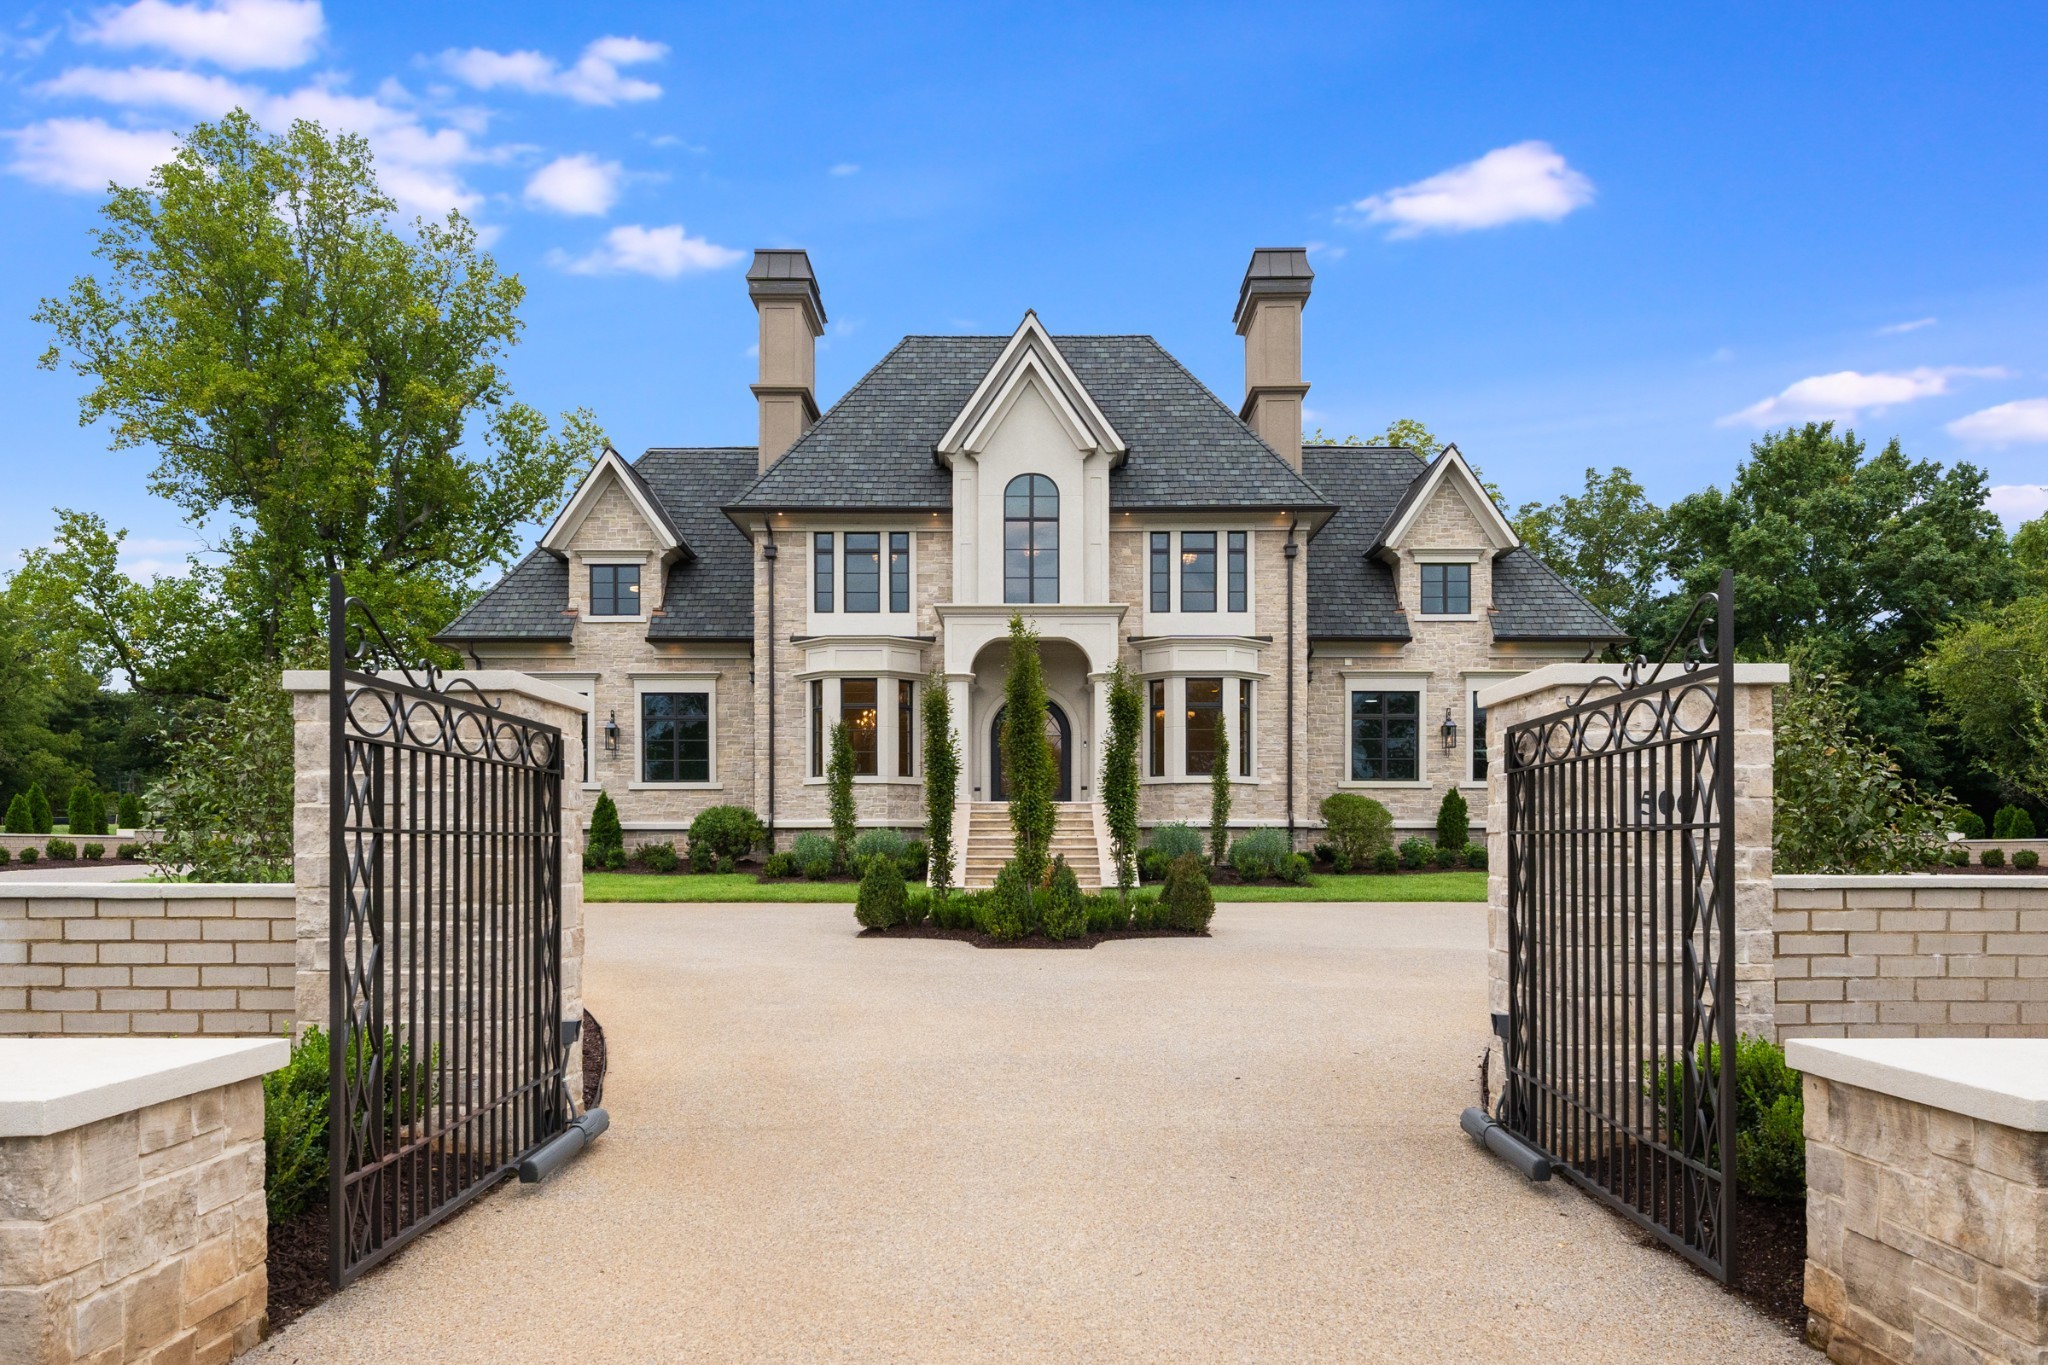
(1621, 935)
(446, 1054)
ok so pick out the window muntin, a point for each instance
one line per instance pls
(1446, 589)
(817, 728)
(1384, 730)
(1198, 571)
(1204, 720)
(864, 571)
(1244, 727)
(1157, 700)
(615, 590)
(1478, 740)
(899, 571)
(1162, 571)
(1031, 540)
(821, 571)
(675, 737)
(858, 712)
(906, 728)
(1237, 569)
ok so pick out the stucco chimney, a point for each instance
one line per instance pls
(1269, 305)
(785, 293)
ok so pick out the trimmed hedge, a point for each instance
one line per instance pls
(1359, 828)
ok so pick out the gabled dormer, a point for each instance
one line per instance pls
(618, 543)
(1441, 540)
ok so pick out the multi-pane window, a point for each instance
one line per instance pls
(863, 571)
(1031, 540)
(1384, 729)
(1162, 571)
(1205, 719)
(1198, 571)
(859, 713)
(1446, 589)
(1244, 727)
(1157, 701)
(821, 571)
(675, 737)
(817, 728)
(899, 571)
(615, 590)
(1478, 740)
(1237, 569)
(906, 728)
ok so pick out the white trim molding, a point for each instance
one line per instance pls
(610, 466)
(1388, 680)
(646, 681)
(1030, 355)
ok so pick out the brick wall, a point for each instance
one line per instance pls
(1948, 956)
(121, 959)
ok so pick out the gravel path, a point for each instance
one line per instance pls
(916, 1150)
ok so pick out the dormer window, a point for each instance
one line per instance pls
(1031, 540)
(615, 590)
(1446, 589)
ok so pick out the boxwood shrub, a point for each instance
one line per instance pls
(1416, 852)
(2026, 860)
(93, 852)
(61, 848)
(723, 832)
(1992, 857)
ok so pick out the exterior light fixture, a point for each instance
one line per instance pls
(611, 734)
(1449, 730)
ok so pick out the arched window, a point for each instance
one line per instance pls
(1031, 540)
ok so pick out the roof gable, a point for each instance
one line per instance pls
(611, 471)
(1448, 472)
(1030, 359)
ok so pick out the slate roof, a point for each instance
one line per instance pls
(873, 450)
(1532, 603)
(526, 604)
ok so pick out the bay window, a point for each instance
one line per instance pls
(857, 712)
(1157, 701)
(1204, 720)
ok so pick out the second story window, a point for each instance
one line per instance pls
(615, 590)
(1238, 555)
(1031, 540)
(1446, 589)
(1198, 571)
(821, 571)
(899, 571)
(863, 571)
(1162, 571)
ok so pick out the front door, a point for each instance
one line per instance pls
(1057, 733)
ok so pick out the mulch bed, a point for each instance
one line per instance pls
(594, 1060)
(975, 938)
(15, 864)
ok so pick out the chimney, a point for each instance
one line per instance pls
(785, 293)
(1269, 305)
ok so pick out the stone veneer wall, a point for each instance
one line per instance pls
(1931, 956)
(137, 1237)
(89, 958)
(1926, 1232)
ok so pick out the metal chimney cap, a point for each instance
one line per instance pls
(783, 271)
(1274, 272)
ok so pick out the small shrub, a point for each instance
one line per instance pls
(953, 909)
(1453, 821)
(607, 846)
(1969, 824)
(2011, 822)
(1152, 865)
(1295, 869)
(1108, 913)
(1176, 838)
(93, 852)
(781, 864)
(726, 867)
(1325, 852)
(883, 901)
(1992, 857)
(1149, 913)
(6, 856)
(1065, 915)
(1770, 1148)
(878, 843)
(295, 1129)
(1475, 856)
(1359, 826)
(659, 857)
(916, 860)
(723, 832)
(1260, 854)
(1008, 908)
(2026, 860)
(814, 854)
(1447, 857)
(1386, 860)
(1416, 852)
(61, 848)
(130, 811)
(1186, 900)
(128, 851)
(1955, 855)
(30, 854)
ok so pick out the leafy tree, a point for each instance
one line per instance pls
(1406, 431)
(2030, 554)
(225, 805)
(1119, 784)
(941, 777)
(1989, 679)
(1219, 795)
(839, 781)
(315, 378)
(31, 750)
(1608, 542)
(1027, 757)
(1841, 803)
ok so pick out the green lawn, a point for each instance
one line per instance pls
(741, 886)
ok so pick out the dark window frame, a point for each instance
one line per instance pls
(867, 744)
(817, 727)
(906, 728)
(675, 750)
(1244, 726)
(822, 595)
(1451, 593)
(621, 583)
(899, 571)
(1194, 596)
(1155, 702)
(1162, 571)
(1382, 723)
(861, 568)
(1237, 570)
(1189, 706)
(1037, 529)
(1479, 769)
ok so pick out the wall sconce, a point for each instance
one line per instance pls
(611, 734)
(1449, 730)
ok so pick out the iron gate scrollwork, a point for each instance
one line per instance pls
(446, 1056)
(1621, 935)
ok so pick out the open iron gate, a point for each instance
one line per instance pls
(1621, 936)
(446, 1051)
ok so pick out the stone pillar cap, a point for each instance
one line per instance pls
(50, 1085)
(1999, 1080)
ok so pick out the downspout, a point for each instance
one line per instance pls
(768, 553)
(1293, 553)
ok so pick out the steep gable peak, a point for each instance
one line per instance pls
(1448, 474)
(1030, 360)
(611, 471)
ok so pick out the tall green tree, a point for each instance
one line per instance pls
(1219, 795)
(941, 777)
(31, 751)
(1119, 785)
(328, 388)
(1989, 679)
(839, 784)
(1843, 805)
(1608, 541)
(2030, 554)
(1027, 757)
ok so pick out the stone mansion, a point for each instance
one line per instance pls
(1331, 609)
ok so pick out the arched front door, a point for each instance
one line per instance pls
(1057, 733)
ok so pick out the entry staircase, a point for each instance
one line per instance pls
(1075, 836)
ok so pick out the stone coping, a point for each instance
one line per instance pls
(1999, 1080)
(49, 1085)
(1579, 675)
(486, 680)
(148, 891)
(1932, 881)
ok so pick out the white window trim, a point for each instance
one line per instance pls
(1477, 680)
(1388, 681)
(1177, 728)
(595, 559)
(644, 683)
(1471, 557)
(1222, 621)
(840, 621)
(885, 729)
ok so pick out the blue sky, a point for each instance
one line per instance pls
(1562, 235)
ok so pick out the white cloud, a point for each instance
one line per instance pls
(2024, 422)
(846, 168)
(576, 185)
(1845, 393)
(1507, 185)
(85, 153)
(2016, 503)
(242, 35)
(664, 252)
(594, 79)
(188, 92)
(1892, 329)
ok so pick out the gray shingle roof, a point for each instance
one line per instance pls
(526, 604)
(1351, 595)
(1530, 602)
(874, 448)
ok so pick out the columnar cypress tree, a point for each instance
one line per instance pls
(1453, 822)
(131, 811)
(82, 810)
(1027, 758)
(941, 778)
(19, 821)
(1219, 795)
(1120, 773)
(607, 848)
(39, 818)
(839, 774)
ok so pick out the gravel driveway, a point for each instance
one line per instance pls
(1245, 1148)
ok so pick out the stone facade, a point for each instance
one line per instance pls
(137, 1237)
(1943, 956)
(114, 959)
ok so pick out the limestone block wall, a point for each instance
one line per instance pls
(87, 958)
(1926, 956)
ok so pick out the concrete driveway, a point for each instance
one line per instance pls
(1244, 1148)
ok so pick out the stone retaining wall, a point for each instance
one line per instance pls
(1933, 956)
(86, 958)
